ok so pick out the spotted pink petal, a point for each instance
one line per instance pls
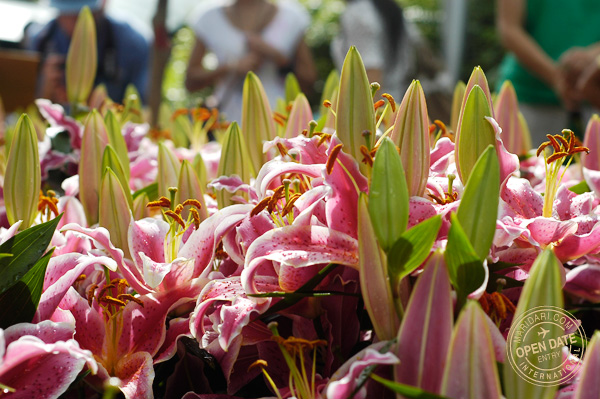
(55, 115)
(509, 162)
(545, 231)
(89, 323)
(61, 273)
(202, 243)
(274, 168)
(179, 327)
(72, 211)
(299, 246)
(569, 205)
(306, 150)
(521, 198)
(424, 336)
(576, 245)
(343, 382)
(592, 178)
(155, 272)
(136, 373)
(47, 331)
(441, 155)
(36, 369)
(584, 282)
(147, 236)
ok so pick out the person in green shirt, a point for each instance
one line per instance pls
(550, 43)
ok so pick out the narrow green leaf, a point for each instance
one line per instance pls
(81, 64)
(19, 302)
(412, 248)
(355, 112)
(26, 248)
(111, 160)
(580, 188)
(464, 265)
(478, 207)
(22, 180)
(475, 132)
(388, 196)
(116, 139)
(457, 99)
(542, 288)
(406, 391)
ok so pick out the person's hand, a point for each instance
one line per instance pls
(588, 83)
(249, 62)
(566, 90)
(574, 61)
(52, 78)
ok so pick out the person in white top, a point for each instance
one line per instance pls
(250, 35)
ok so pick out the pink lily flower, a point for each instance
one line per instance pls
(40, 360)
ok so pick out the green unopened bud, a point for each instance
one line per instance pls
(257, 119)
(300, 116)
(507, 116)
(82, 57)
(235, 160)
(117, 141)
(112, 161)
(189, 188)
(457, 99)
(114, 212)
(23, 175)
(168, 170)
(292, 87)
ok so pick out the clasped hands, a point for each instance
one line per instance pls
(577, 77)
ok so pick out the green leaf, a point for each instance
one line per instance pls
(26, 248)
(19, 303)
(478, 207)
(412, 248)
(151, 190)
(464, 265)
(388, 196)
(355, 112)
(542, 288)
(114, 212)
(406, 391)
(580, 188)
(475, 132)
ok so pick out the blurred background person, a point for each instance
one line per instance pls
(123, 53)
(550, 43)
(393, 52)
(250, 35)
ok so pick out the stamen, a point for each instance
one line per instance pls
(106, 288)
(367, 158)
(390, 100)
(378, 104)
(90, 294)
(259, 363)
(289, 204)
(179, 209)
(192, 202)
(555, 156)
(312, 125)
(542, 147)
(196, 217)
(80, 278)
(178, 113)
(260, 206)
(554, 143)
(332, 157)
(279, 118)
(277, 195)
(327, 104)
(282, 150)
(109, 300)
(323, 138)
(176, 218)
(129, 297)
(162, 202)
(563, 141)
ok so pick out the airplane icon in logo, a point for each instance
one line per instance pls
(544, 332)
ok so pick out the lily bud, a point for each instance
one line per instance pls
(292, 88)
(117, 141)
(299, 118)
(189, 188)
(200, 169)
(22, 181)
(81, 64)
(457, 99)
(374, 280)
(140, 209)
(95, 138)
(355, 112)
(168, 170)
(475, 133)
(133, 105)
(114, 212)
(235, 160)
(507, 116)
(591, 140)
(257, 119)
(111, 160)
(411, 134)
(329, 93)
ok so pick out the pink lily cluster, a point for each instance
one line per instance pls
(367, 254)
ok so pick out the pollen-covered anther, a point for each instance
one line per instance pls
(332, 158)
(260, 206)
(48, 201)
(279, 118)
(327, 104)
(259, 363)
(178, 209)
(106, 288)
(162, 202)
(294, 345)
(277, 195)
(128, 297)
(391, 100)
(323, 137)
(554, 142)
(195, 217)
(176, 217)
(282, 150)
(367, 157)
(90, 294)
(192, 202)
(109, 300)
(201, 114)
(556, 155)
(378, 104)
(497, 306)
(442, 126)
(179, 112)
(289, 204)
(542, 147)
(80, 278)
